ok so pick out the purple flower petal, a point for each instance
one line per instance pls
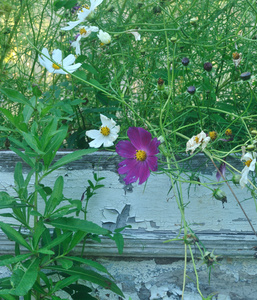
(222, 170)
(152, 163)
(139, 137)
(152, 149)
(126, 165)
(125, 149)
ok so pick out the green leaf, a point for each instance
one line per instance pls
(78, 225)
(77, 237)
(45, 251)
(70, 158)
(32, 142)
(90, 276)
(39, 230)
(90, 263)
(3, 128)
(56, 197)
(65, 282)
(13, 259)
(66, 264)
(6, 201)
(24, 157)
(118, 238)
(57, 241)
(14, 235)
(15, 96)
(90, 69)
(24, 278)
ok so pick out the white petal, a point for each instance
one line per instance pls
(243, 180)
(57, 56)
(108, 142)
(71, 25)
(69, 60)
(93, 134)
(136, 35)
(73, 68)
(97, 142)
(252, 165)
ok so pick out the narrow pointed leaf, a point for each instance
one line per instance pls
(78, 225)
(14, 235)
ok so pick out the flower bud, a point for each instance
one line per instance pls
(220, 195)
(193, 21)
(191, 90)
(245, 76)
(161, 139)
(185, 61)
(250, 147)
(207, 66)
(160, 84)
(236, 178)
(173, 39)
(254, 132)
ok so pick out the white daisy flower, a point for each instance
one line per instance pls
(200, 139)
(55, 67)
(104, 37)
(106, 135)
(83, 13)
(250, 161)
(84, 31)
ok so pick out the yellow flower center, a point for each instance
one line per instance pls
(228, 132)
(84, 6)
(248, 162)
(82, 31)
(55, 66)
(197, 139)
(105, 131)
(141, 155)
(213, 135)
(102, 44)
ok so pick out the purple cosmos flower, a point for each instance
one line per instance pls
(140, 154)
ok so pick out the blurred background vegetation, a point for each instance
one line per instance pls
(202, 31)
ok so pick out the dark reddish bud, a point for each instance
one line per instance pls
(207, 66)
(245, 76)
(185, 61)
(191, 90)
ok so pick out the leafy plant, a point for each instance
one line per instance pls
(42, 264)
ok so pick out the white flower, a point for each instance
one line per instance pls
(136, 35)
(83, 13)
(104, 37)
(55, 67)
(106, 135)
(250, 161)
(84, 31)
(200, 139)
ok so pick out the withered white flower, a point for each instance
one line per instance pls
(136, 35)
(84, 31)
(200, 139)
(55, 67)
(83, 13)
(250, 161)
(106, 135)
(104, 37)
